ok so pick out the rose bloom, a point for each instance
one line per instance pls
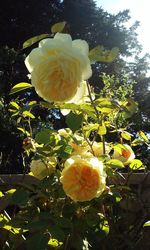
(124, 154)
(40, 169)
(65, 132)
(98, 149)
(79, 145)
(83, 178)
(58, 67)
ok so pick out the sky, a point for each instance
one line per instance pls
(139, 10)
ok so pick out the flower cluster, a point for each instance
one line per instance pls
(59, 68)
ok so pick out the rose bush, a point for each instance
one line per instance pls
(71, 207)
(58, 67)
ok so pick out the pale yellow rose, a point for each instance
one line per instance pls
(98, 149)
(83, 178)
(123, 153)
(79, 145)
(65, 132)
(58, 67)
(80, 97)
(40, 169)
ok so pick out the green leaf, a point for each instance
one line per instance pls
(24, 131)
(102, 130)
(68, 210)
(130, 107)
(136, 142)
(136, 164)
(143, 136)
(15, 105)
(34, 39)
(11, 191)
(92, 218)
(147, 224)
(113, 163)
(20, 197)
(58, 27)
(99, 54)
(125, 135)
(54, 243)
(104, 226)
(38, 242)
(43, 137)
(28, 114)
(19, 87)
(74, 121)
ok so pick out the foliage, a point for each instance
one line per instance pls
(58, 212)
(83, 20)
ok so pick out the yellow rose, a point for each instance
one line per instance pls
(83, 178)
(98, 149)
(79, 145)
(58, 67)
(123, 153)
(65, 132)
(40, 169)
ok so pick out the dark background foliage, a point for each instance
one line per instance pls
(21, 20)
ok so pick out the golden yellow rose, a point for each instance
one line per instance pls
(123, 153)
(40, 169)
(58, 67)
(83, 178)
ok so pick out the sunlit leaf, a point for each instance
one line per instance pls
(119, 147)
(58, 27)
(104, 226)
(102, 130)
(114, 163)
(11, 191)
(136, 164)
(19, 87)
(3, 219)
(143, 136)
(14, 104)
(147, 224)
(32, 103)
(125, 135)
(54, 243)
(24, 131)
(136, 142)
(34, 39)
(99, 54)
(28, 114)
(130, 107)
